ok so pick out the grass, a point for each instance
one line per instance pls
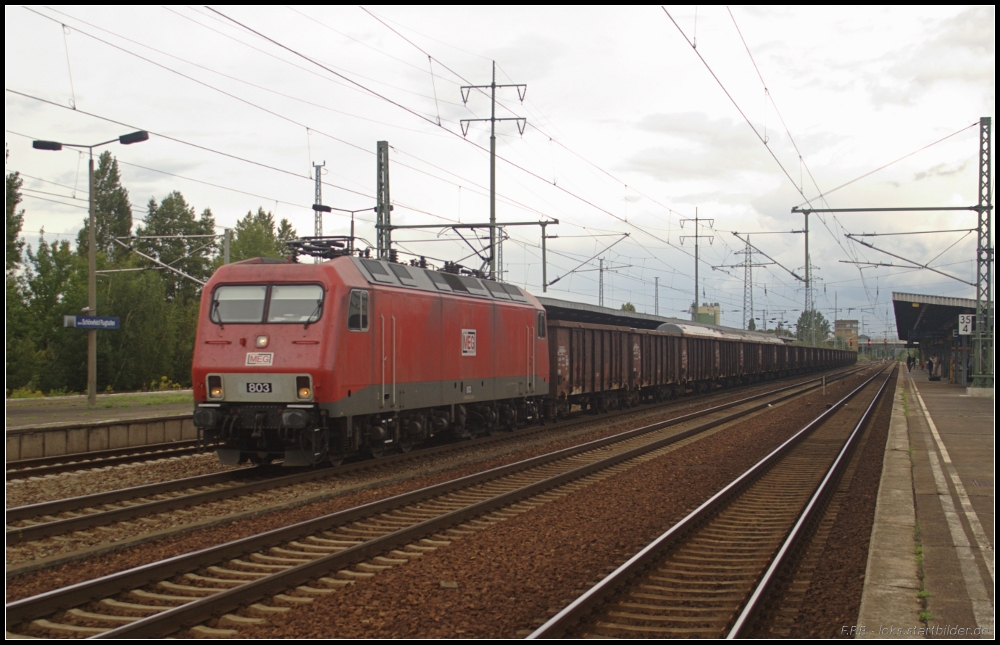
(148, 399)
(27, 394)
(123, 401)
(923, 594)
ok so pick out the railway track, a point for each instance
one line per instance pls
(37, 521)
(270, 572)
(42, 466)
(708, 574)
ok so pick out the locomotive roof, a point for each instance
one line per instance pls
(380, 272)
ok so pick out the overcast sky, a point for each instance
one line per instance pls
(627, 131)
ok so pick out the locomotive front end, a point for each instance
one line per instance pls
(259, 362)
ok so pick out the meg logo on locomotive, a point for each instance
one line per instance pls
(258, 359)
(468, 342)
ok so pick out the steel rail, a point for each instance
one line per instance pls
(75, 595)
(572, 613)
(813, 509)
(30, 511)
(197, 611)
(17, 535)
(97, 459)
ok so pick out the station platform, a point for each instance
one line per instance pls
(930, 563)
(57, 426)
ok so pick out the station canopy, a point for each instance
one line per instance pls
(920, 317)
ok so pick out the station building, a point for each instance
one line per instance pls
(930, 324)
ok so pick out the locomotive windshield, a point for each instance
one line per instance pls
(296, 303)
(239, 304)
(299, 303)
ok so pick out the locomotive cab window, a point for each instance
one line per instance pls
(238, 304)
(541, 324)
(357, 313)
(297, 303)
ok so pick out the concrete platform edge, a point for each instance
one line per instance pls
(889, 600)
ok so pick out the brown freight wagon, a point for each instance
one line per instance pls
(600, 367)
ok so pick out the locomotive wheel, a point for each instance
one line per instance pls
(405, 446)
(260, 458)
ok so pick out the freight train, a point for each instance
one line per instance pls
(313, 363)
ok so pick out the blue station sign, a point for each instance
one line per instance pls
(92, 322)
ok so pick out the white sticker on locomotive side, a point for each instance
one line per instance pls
(468, 342)
(259, 359)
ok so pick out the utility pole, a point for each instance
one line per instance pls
(383, 208)
(656, 296)
(983, 339)
(810, 316)
(521, 122)
(125, 139)
(227, 239)
(499, 270)
(697, 234)
(747, 286)
(318, 228)
(747, 265)
(545, 278)
(600, 292)
(694, 310)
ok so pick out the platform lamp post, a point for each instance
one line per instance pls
(125, 139)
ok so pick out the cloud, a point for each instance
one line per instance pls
(697, 146)
(941, 170)
(962, 51)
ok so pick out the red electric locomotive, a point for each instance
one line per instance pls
(318, 362)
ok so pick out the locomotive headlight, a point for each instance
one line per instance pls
(262, 341)
(303, 387)
(215, 387)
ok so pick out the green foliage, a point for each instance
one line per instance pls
(112, 211)
(812, 325)
(752, 326)
(143, 349)
(628, 306)
(193, 256)
(26, 394)
(255, 237)
(15, 220)
(57, 286)
(158, 309)
(163, 385)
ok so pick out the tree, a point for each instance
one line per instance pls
(628, 306)
(812, 326)
(751, 326)
(193, 256)
(56, 279)
(15, 220)
(256, 237)
(142, 350)
(112, 210)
